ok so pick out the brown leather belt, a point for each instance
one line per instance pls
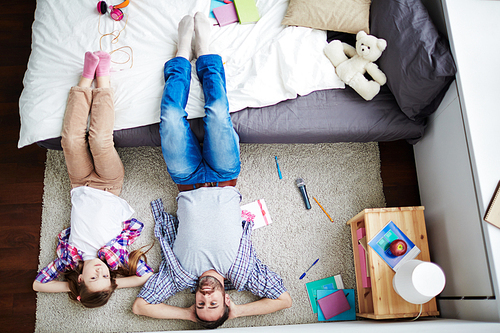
(189, 187)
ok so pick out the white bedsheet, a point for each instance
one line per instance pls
(265, 62)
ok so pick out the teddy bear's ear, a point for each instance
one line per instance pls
(381, 44)
(360, 34)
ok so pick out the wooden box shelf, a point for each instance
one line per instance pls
(380, 301)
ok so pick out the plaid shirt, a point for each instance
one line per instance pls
(114, 253)
(246, 273)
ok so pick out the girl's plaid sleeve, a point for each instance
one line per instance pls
(68, 257)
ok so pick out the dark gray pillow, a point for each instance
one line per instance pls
(417, 61)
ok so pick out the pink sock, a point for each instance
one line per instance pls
(104, 63)
(90, 65)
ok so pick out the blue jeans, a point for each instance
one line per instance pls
(188, 162)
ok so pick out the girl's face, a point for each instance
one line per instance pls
(95, 275)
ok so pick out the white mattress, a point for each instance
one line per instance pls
(265, 62)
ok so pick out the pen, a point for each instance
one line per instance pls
(304, 274)
(278, 167)
(324, 211)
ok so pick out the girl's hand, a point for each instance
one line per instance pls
(132, 281)
(51, 287)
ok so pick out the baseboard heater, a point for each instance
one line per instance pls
(467, 298)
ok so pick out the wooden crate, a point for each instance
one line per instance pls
(381, 301)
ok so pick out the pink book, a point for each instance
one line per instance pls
(226, 14)
(333, 304)
(365, 279)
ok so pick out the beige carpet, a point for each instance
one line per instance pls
(344, 177)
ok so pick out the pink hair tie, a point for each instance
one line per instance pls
(78, 298)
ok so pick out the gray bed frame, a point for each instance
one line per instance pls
(341, 115)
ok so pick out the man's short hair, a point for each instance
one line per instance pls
(215, 323)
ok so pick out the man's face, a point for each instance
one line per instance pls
(210, 298)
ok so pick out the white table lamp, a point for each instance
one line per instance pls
(418, 281)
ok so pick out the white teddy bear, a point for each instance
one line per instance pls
(351, 70)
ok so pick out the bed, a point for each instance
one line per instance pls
(281, 87)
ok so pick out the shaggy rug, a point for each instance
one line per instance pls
(343, 177)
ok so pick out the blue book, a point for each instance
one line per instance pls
(382, 240)
(349, 314)
(215, 4)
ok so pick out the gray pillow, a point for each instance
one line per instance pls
(338, 15)
(417, 61)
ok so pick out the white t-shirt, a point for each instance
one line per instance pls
(96, 218)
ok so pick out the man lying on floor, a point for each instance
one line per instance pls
(204, 248)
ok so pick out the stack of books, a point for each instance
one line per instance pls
(330, 300)
(242, 11)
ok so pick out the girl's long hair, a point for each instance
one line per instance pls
(96, 299)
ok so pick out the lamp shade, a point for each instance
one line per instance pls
(418, 281)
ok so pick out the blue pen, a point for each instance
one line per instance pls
(304, 274)
(278, 166)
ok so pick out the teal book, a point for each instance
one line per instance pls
(329, 283)
(247, 11)
(336, 307)
(215, 4)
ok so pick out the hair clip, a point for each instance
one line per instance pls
(78, 298)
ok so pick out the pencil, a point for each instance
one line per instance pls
(324, 211)
(278, 167)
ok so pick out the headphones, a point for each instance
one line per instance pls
(114, 11)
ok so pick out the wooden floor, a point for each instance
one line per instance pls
(22, 170)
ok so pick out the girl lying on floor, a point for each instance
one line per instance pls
(93, 251)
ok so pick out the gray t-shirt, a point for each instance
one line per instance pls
(209, 232)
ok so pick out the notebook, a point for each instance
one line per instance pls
(214, 4)
(261, 213)
(346, 315)
(381, 244)
(329, 283)
(225, 14)
(493, 213)
(333, 304)
(247, 11)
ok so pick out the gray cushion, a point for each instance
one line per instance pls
(417, 61)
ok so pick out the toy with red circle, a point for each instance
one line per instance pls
(114, 11)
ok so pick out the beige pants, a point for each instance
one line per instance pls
(91, 158)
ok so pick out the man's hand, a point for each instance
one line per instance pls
(192, 313)
(163, 311)
(260, 307)
(233, 311)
